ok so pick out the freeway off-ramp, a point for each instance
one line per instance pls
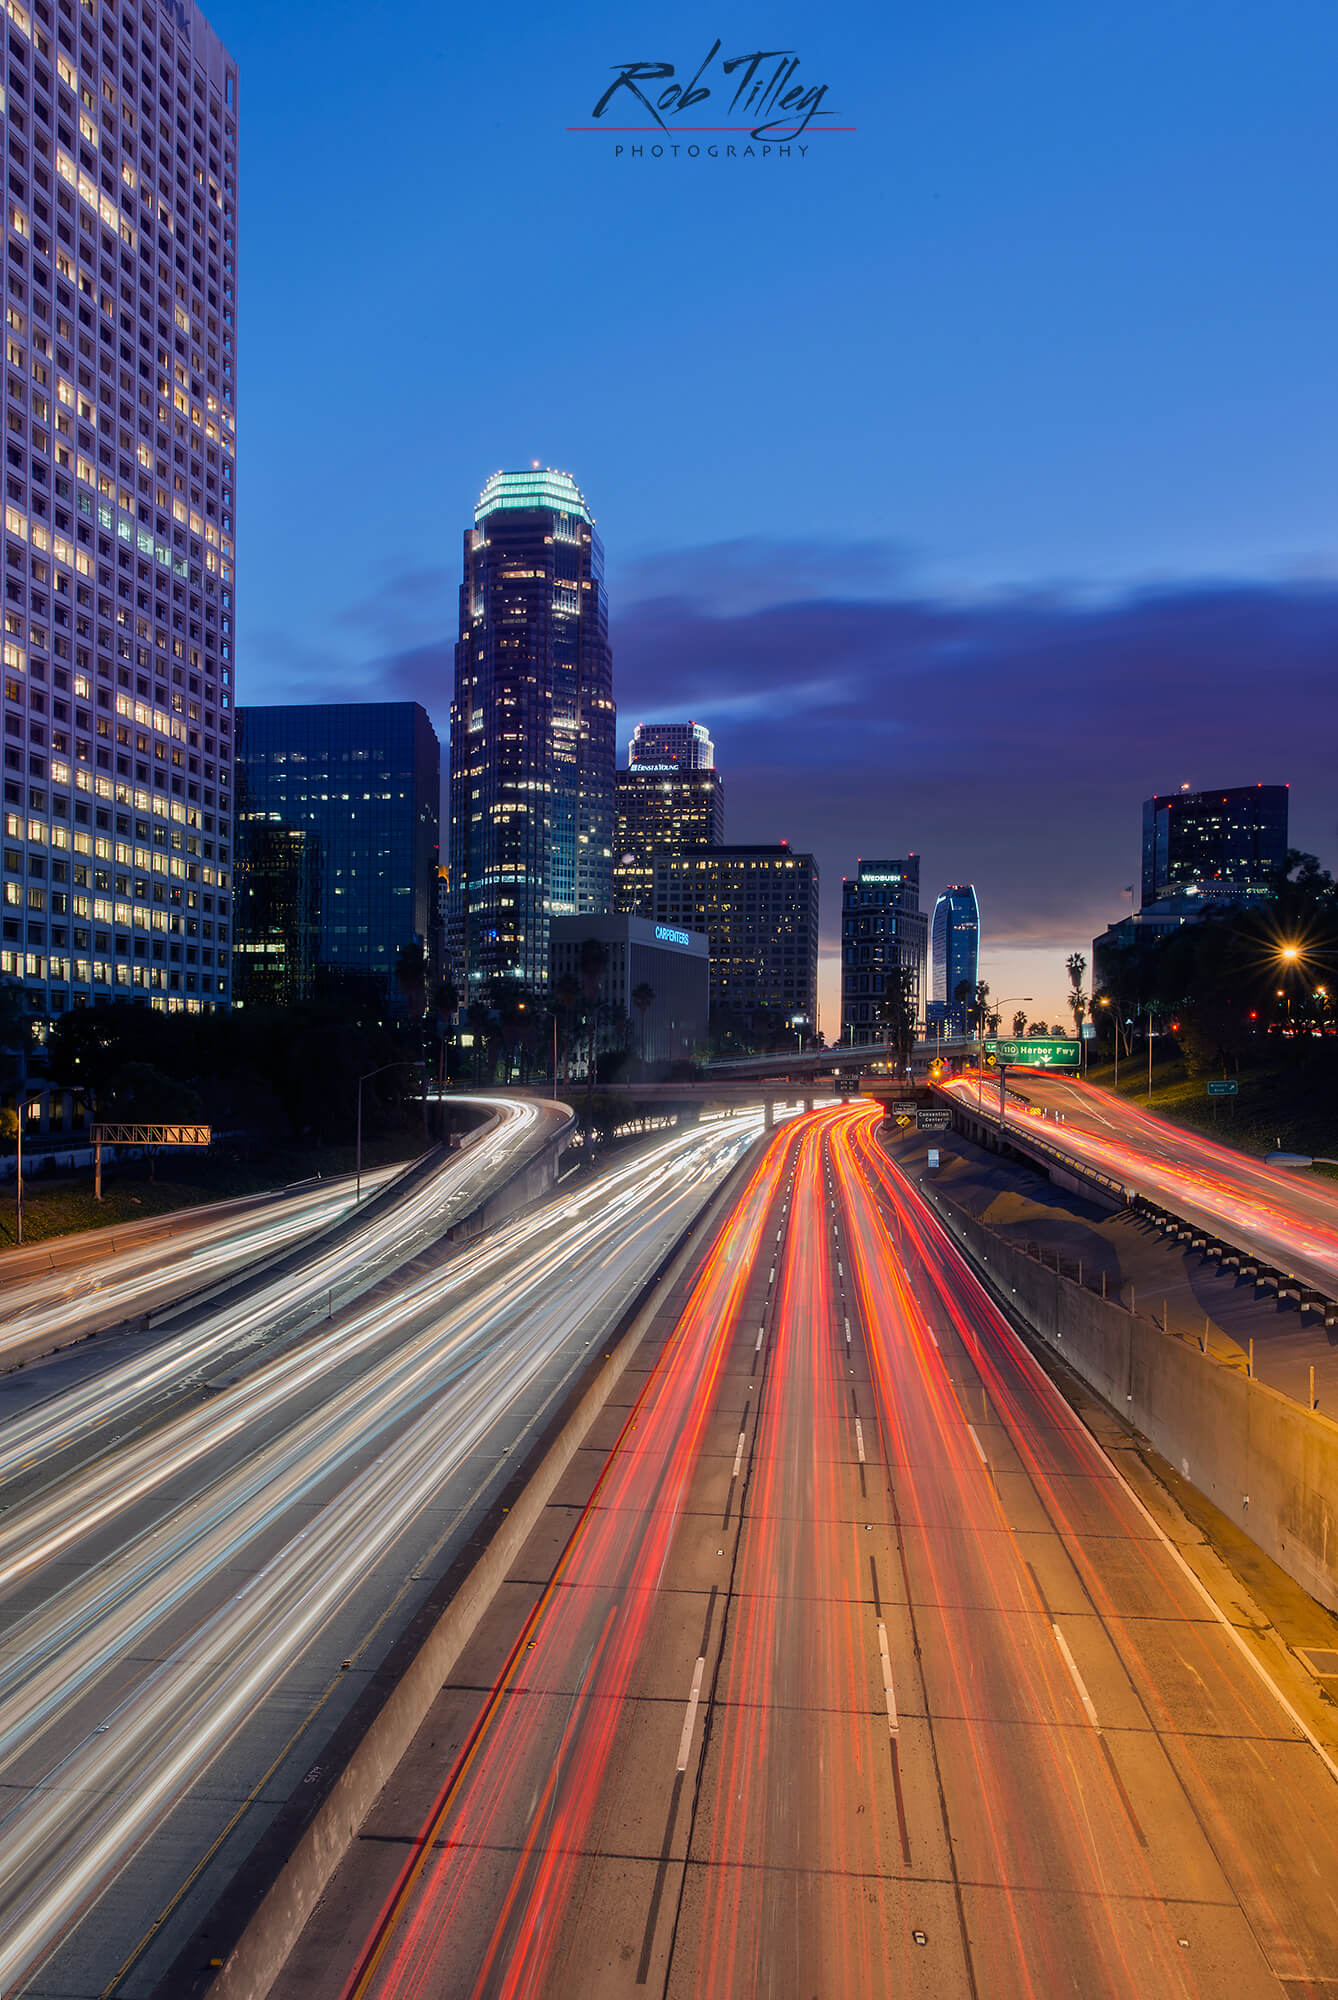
(1289, 1220)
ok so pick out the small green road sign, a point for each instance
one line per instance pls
(1222, 1086)
(1062, 1054)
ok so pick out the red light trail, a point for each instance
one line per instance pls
(959, 1722)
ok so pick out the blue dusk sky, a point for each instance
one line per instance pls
(972, 474)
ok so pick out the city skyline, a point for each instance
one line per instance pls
(1045, 469)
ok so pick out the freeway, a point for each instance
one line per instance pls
(1285, 1218)
(45, 1307)
(175, 1598)
(861, 1672)
(135, 1387)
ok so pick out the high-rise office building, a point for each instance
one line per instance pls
(120, 131)
(337, 810)
(1226, 846)
(669, 800)
(1200, 850)
(882, 927)
(671, 746)
(759, 909)
(954, 945)
(532, 731)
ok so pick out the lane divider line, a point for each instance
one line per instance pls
(980, 1449)
(1078, 1680)
(859, 1439)
(761, 1336)
(893, 1720)
(738, 1456)
(685, 1740)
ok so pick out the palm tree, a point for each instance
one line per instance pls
(894, 1013)
(566, 993)
(1019, 1025)
(445, 1004)
(411, 978)
(479, 1017)
(1077, 966)
(643, 999)
(594, 963)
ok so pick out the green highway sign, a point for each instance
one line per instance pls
(1222, 1086)
(1062, 1054)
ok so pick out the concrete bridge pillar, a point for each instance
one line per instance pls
(771, 1114)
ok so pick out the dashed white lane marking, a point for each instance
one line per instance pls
(772, 1279)
(685, 1740)
(761, 1336)
(980, 1449)
(886, 1658)
(930, 1331)
(859, 1439)
(1078, 1681)
(738, 1456)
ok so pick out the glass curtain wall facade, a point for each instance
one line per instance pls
(882, 926)
(120, 135)
(1223, 845)
(532, 732)
(954, 955)
(337, 811)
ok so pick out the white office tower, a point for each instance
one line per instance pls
(120, 130)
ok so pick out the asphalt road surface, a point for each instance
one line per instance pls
(861, 1673)
(182, 1607)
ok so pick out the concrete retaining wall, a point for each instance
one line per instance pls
(1269, 1463)
(535, 1178)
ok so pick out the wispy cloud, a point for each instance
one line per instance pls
(1008, 739)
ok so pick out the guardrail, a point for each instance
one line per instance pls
(1028, 1141)
(1196, 1236)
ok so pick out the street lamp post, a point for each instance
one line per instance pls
(1006, 1001)
(18, 1189)
(1115, 1019)
(407, 1063)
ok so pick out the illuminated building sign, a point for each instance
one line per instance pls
(663, 935)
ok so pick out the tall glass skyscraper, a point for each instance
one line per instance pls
(954, 950)
(120, 137)
(532, 731)
(337, 811)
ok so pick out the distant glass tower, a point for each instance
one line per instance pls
(669, 800)
(954, 950)
(532, 731)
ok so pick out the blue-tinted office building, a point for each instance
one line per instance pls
(954, 953)
(336, 848)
